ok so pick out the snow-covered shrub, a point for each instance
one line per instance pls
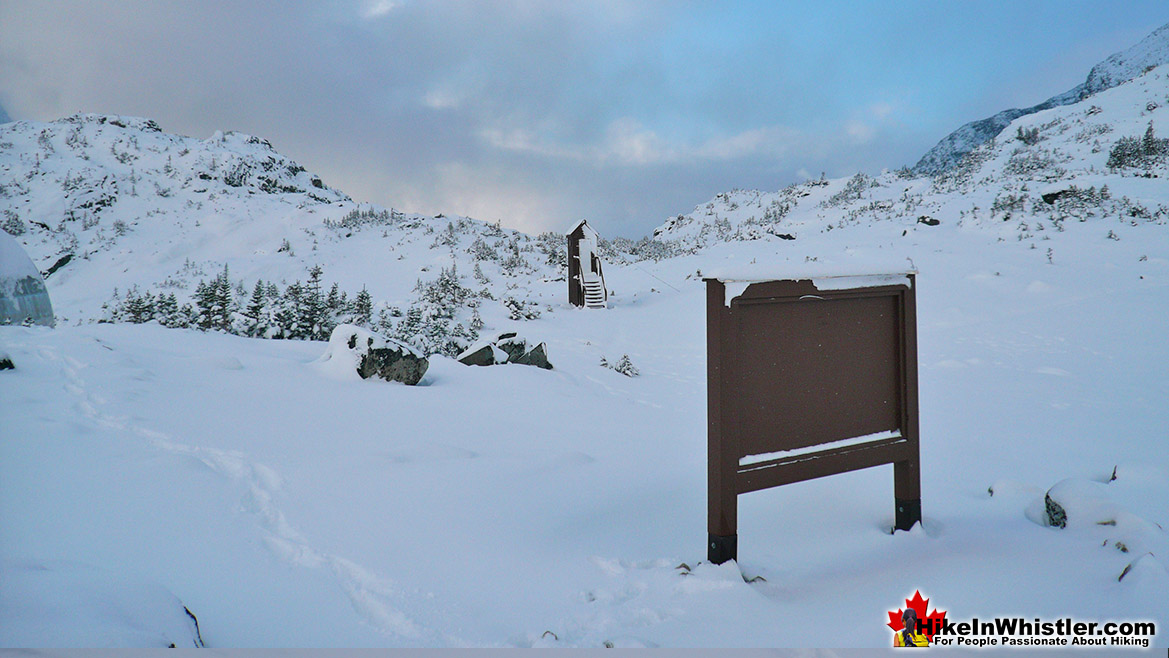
(1028, 162)
(654, 249)
(442, 321)
(1008, 202)
(480, 250)
(449, 237)
(554, 246)
(515, 263)
(12, 223)
(518, 309)
(1144, 152)
(853, 190)
(962, 173)
(1029, 136)
(623, 366)
(358, 217)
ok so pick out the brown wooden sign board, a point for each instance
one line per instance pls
(808, 378)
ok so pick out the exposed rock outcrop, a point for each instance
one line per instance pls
(370, 355)
(506, 348)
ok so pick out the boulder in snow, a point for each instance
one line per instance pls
(485, 355)
(513, 345)
(6, 361)
(71, 604)
(1080, 502)
(353, 349)
(506, 348)
(537, 356)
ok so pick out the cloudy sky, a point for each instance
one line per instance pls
(539, 113)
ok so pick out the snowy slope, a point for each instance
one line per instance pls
(1119, 67)
(997, 191)
(513, 506)
(106, 203)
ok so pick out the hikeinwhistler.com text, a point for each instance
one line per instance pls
(1019, 632)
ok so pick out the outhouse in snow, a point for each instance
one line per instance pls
(586, 281)
(23, 298)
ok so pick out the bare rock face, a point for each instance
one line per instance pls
(352, 348)
(506, 348)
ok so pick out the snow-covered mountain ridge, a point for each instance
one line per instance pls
(107, 203)
(1119, 67)
(1047, 169)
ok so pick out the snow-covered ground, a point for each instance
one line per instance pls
(143, 469)
(287, 508)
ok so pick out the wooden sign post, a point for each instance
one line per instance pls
(808, 378)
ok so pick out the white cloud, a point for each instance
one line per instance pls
(378, 8)
(881, 110)
(859, 131)
(627, 142)
(442, 99)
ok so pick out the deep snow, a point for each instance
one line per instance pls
(513, 506)
(489, 505)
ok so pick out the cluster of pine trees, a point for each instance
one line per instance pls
(302, 311)
(443, 319)
(1143, 152)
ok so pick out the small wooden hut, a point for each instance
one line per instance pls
(586, 281)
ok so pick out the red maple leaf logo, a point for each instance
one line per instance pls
(928, 623)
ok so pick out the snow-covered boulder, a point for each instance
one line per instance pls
(71, 604)
(1080, 502)
(506, 348)
(483, 355)
(353, 349)
(6, 361)
(537, 356)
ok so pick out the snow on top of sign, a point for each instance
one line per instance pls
(851, 266)
(865, 281)
(736, 286)
(751, 460)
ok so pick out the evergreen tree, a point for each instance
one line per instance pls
(189, 317)
(479, 275)
(139, 308)
(312, 321)
(204, 305)
(168, 311)
(257, 312)
(288, 318)
(225, 304)
(333, 301)
(363, 308)
(407, 330)
(1149, 144)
